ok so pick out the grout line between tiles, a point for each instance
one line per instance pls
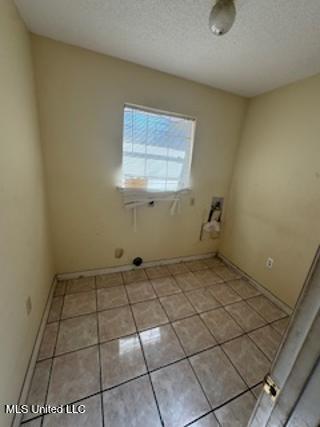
(260, 349)
(245, 334)
(190, 365)
(140, 376)
(52, 361)
(237, 370)
(201, 418)
(157, 297)
(170, 276)
(146, 364)
(99, 356)
(196, 376)
(253, 308)
(249, 307)
(170, 322)
(163, 324)
(222, 405)
(31, 420)
(148, 372)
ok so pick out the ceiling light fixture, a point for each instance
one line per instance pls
(222, 17)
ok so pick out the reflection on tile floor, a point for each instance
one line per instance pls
(185, 344)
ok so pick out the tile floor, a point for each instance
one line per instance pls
(186, 344)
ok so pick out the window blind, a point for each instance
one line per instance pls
(157, 150)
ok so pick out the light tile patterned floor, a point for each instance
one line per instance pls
(186, 344)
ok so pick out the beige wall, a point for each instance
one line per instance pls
(274, 206)
(25, 261)
(81, 96)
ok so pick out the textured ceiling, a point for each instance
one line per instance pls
(273, 42)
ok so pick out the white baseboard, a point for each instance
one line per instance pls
(258, 285)
(33, 358)
(127, 267)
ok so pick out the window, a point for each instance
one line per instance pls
(157, 150)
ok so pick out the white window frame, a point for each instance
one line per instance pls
(149, 192)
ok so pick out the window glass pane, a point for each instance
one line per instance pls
(174, 169)
(154, 184)
(134, 166)
(157, 150)
(127, 147)
(156, 168)
(160, 151)
(139, 148)
(172, 185)
(180, 154)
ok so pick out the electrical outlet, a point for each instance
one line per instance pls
(269, 263)
(118, 253)
(28, 305)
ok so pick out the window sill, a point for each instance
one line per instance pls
(146, 191)
(134, 198)
(149, 194)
